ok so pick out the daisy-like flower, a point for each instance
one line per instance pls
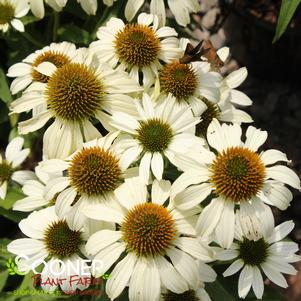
(10, 12)
(26, 72)
(137, 47)
(159, 133)
(237, 174)
(59, 242)
(35, 191)
(74, 94)
(257, 252)
(157, 255)
(180, 9)
(14, 157)
(90, 175)
(190, 83)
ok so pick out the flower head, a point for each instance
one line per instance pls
(138, 47)
(27, 72)
(10, 12)
(160, 132)
(256, 251)
(152, 235)
(59, 241)
(237, 175)
(73, 95)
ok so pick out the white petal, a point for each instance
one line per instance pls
(120, 276)
(17, 24)
(144, 167)
(160, 191)
(132, 8)
(101, 240)
(284, 175)
(233, 268)
(210, 217)
(227, 254)
(274, 275)
(22, 176)
(192, 196)
(157, 165)
(64, 200)
(272, 156)
(103, 213)
(56, 185)
(245, 281)
(240, 98)
(185, 265)
(188, 178)
(255, 138)
(14, 148)
(257, 284)
(145, 281)
(106, 258)
(129, 156)
(25, 246)
(225, 228)
(46, 68)
(235, 78)
(170, 278)
(281, 231)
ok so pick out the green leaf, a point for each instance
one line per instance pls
(12, 196)
(287, 10)
(3, 278)
(74, 34)
(14, 216)
(217, 292)
(4, 88)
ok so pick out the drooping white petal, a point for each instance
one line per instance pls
(284, 175)
(245, 281)
(274, 275)
(170, 278)
(120, 276)
(233, 268)
(160, 191)
(145, 281)
(224, 230)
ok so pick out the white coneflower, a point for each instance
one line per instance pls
(74, 94)
(10, 12)
(257, 251)
(180, 9)
(35, 191)
(190, 83)
(137, 47)
(90, 175)
(237, 174)
(160, 132)
(151, 236)
(14, 157)
(59, 242)
(26, 72)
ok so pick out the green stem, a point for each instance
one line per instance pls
(56, 23)
(32, 40)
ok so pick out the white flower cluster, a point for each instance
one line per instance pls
(12, 10)
(172, 178)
